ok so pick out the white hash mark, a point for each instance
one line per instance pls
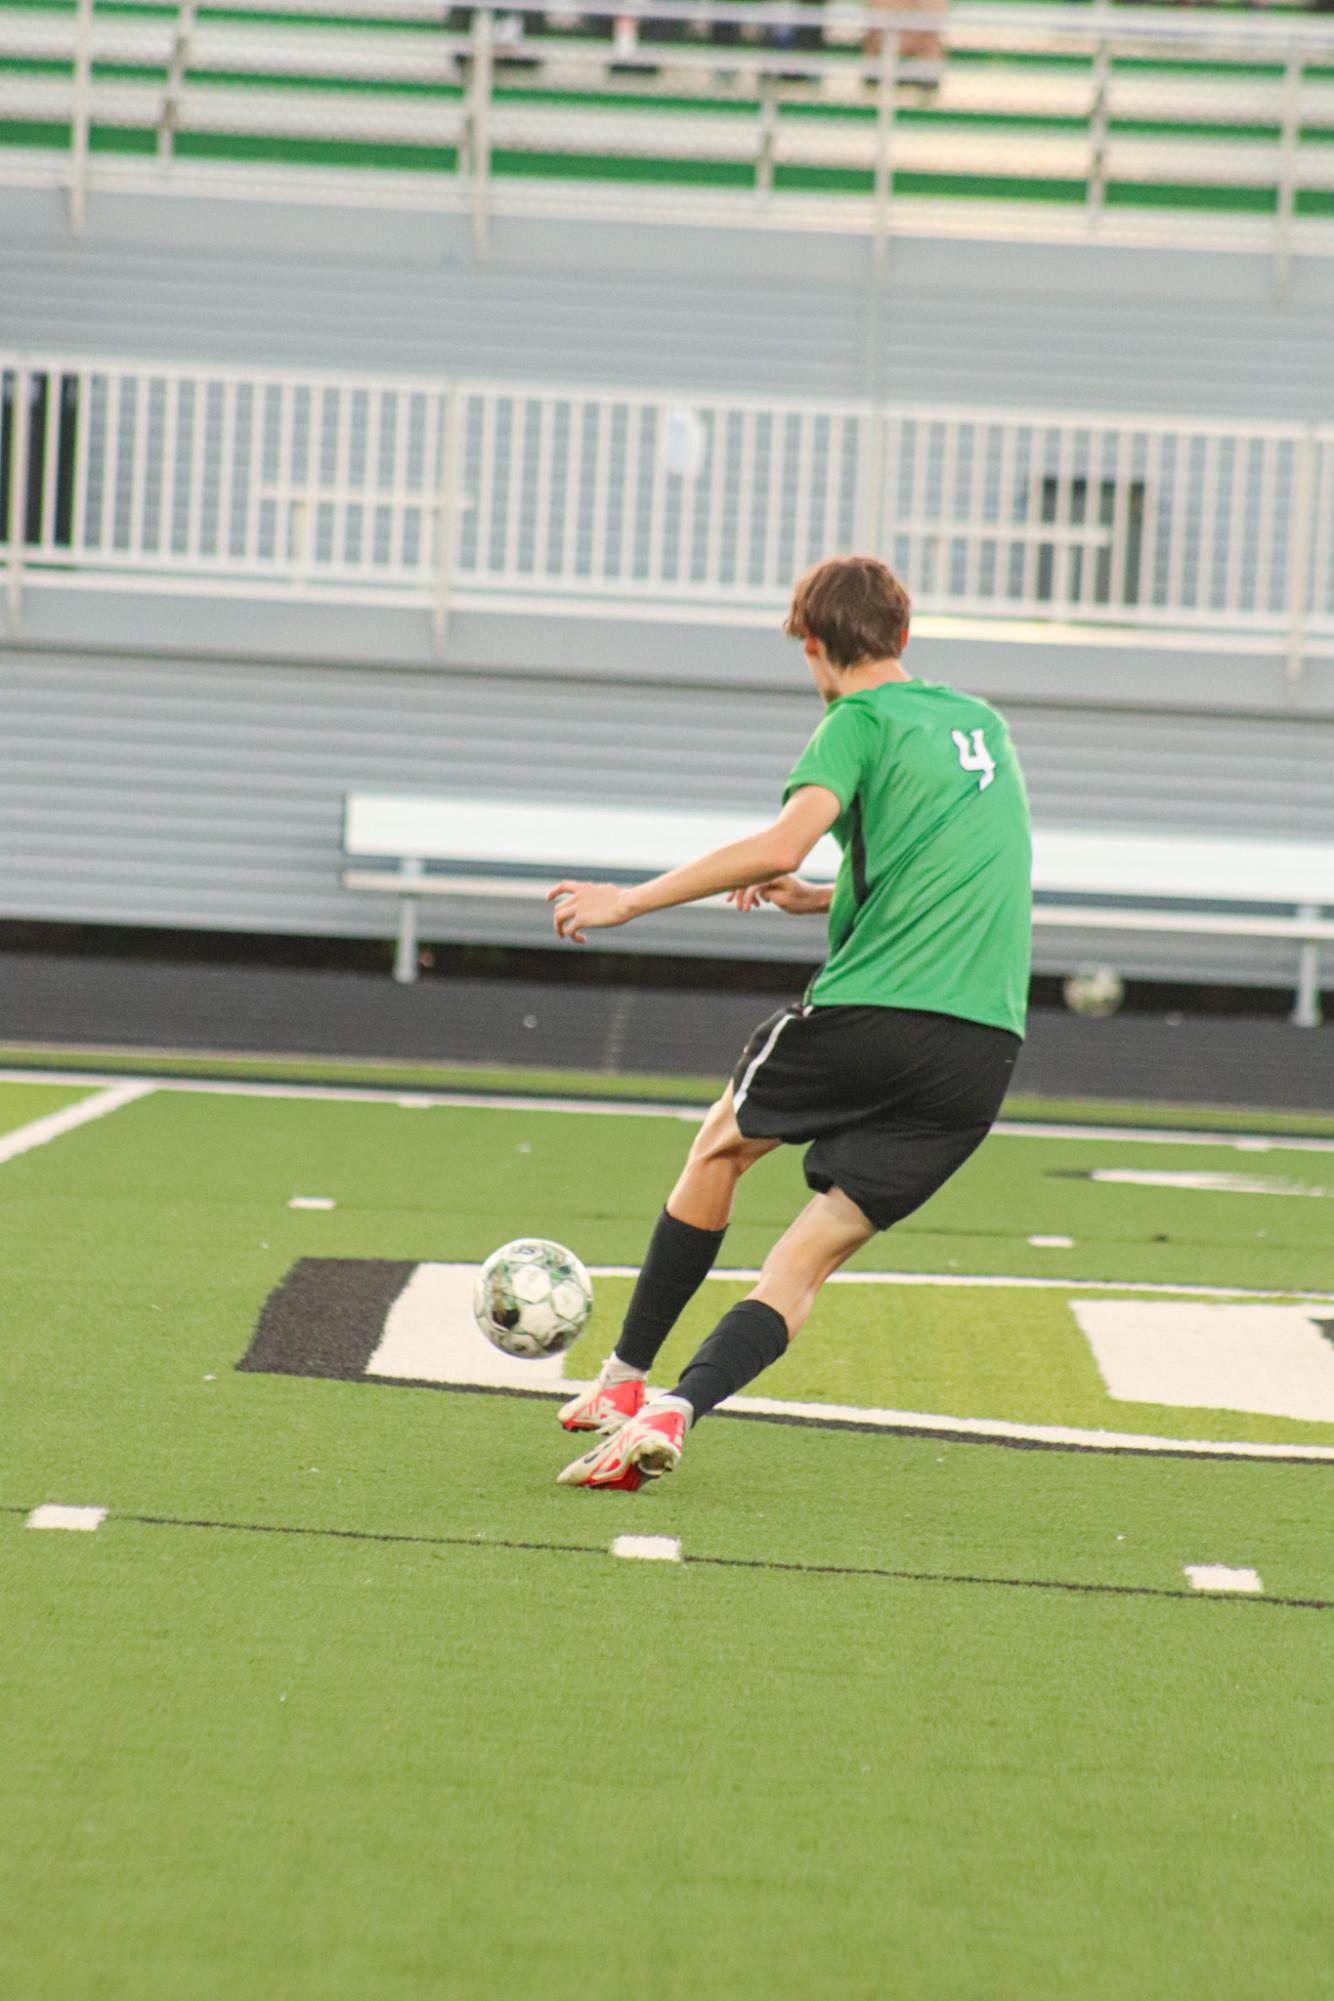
(1219, 1577)
(654, 1548)
(51, 1515)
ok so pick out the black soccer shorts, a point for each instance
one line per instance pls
(891, 1100)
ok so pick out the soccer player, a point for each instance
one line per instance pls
(892, 1069)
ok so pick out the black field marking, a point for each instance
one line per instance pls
(843, 1424)
(1191, 1597)
(326, 1318)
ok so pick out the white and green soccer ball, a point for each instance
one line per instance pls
(532, 1297)
(1094, 990)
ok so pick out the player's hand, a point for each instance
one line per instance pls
(587, 906)
(785, 892)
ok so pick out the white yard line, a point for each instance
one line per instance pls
(24, 1138)
(748, 1274)
(1205, 1184)
(625, 1108)
(1019, 1434)
(858, 1417)
(1161, 1136)
(362, 1094)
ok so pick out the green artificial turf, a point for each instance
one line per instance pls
(321, 1769)
(946, 1752)
(20, 1104)
(440, 1182)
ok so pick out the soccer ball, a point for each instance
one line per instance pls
(1094, 990)
(532, 1297)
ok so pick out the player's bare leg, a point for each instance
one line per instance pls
(824, 1236)
(719, 1157)
(747, 1339)
(681, 1253)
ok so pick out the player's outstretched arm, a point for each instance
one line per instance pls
(764, 857)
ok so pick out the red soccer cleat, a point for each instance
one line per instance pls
(603, 1406)
(642, 1449)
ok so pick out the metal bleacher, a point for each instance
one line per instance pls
(1067, 120)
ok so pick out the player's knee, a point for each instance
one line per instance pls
(720, 1138)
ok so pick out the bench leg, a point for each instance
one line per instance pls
(1306, 1013)
(405, 957)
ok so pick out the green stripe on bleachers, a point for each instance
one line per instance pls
(315, 152)
(512, 163)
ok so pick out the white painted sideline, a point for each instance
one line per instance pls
(1007, 1283)
(430, 1337)
(24, 1138)
(625, 1108)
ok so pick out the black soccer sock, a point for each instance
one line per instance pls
(678, 1260)
(748, 1338)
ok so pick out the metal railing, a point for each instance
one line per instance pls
(427, 494)
(1084, 120)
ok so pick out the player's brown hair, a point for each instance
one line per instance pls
(855, 606)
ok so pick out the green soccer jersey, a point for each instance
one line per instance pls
(932, 907)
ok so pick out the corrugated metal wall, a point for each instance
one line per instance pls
(957, 322)
(209, 795)
(149, 789)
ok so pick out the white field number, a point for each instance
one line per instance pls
(974, 756)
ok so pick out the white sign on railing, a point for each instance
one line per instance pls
(421, 493)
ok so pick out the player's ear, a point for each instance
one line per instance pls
(903, 641)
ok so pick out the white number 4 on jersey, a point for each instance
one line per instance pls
(974, 756)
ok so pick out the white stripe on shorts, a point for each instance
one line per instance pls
(789, 1015)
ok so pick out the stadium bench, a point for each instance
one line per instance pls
(1157, 882)
(516, 848)
(1090, 880)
